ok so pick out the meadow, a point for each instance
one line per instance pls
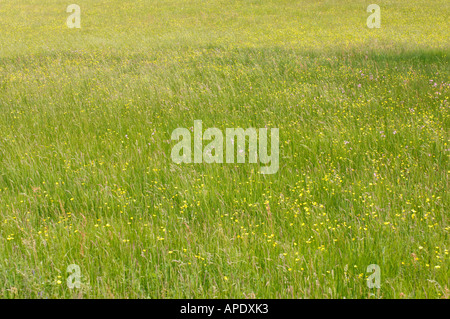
(86, 177)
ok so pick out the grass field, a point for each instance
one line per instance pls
(86, 177)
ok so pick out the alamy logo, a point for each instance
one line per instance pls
(74, 280)
(236, 140)
(374, 20)
(74, 20)
(374, 280)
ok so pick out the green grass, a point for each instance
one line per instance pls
(86, 176)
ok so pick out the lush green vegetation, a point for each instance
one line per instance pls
(86, 177)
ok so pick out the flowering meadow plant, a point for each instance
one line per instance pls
(347, 197)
